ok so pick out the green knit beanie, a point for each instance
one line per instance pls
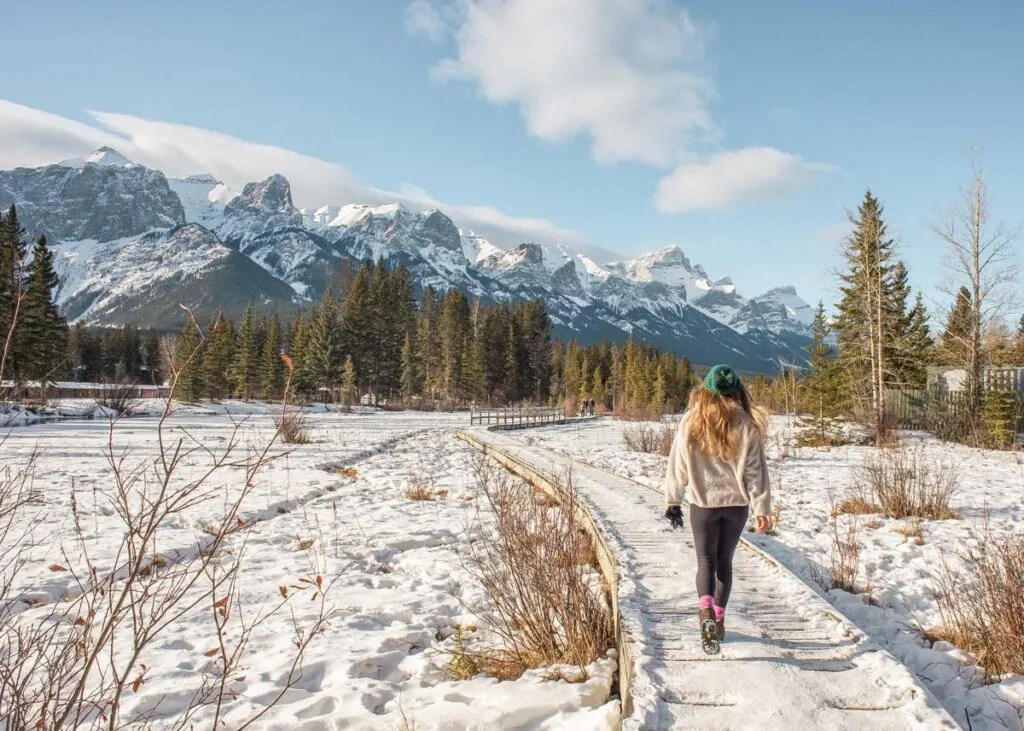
(722, 380)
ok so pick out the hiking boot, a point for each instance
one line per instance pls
(720, 629)
(709, 631)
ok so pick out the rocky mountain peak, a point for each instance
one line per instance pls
(104, 157)
(271, 196)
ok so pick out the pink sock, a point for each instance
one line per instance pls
(707, 601)
(719, 612)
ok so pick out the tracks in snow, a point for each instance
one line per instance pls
(790, 661)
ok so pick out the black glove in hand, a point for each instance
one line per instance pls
(675, 516)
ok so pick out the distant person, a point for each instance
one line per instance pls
(717, 462)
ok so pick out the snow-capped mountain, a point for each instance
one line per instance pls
(132, 244)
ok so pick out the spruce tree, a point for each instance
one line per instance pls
(412, 371)
(245, 368)
(357, 324)
(864, 325)
(349, 387)
(1016, 354)
(188, 363)
(42, 330)
(597, 390)
(12, 290)
(151, 358)
(272, 368)
(323, 347)
(218, 356)
(918, 346)
(821, 388)
(956, 338)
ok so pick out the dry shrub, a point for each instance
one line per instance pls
(981, 603)
(121, 398)
(775, 520)
(292, 427)
(668, 435)
(419, 490)
(904, 483)
(537, 564)
(843, 559)
(912, 529)
(639, 413)
(647, 438)
(854, 505)
(78, 663)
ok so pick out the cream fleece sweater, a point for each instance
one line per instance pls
(708, 482)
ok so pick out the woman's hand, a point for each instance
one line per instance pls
(675, 516)
(763, 523)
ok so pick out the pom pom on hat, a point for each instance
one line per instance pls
(722, 380)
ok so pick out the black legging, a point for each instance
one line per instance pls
(716, 533)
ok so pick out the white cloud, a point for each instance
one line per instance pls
(33, 137)
(729, 177)
(422, 17)
(626, 73)
(629, 75)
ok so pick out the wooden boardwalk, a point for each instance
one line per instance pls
(790, 660)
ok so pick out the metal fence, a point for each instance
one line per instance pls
(518, 418)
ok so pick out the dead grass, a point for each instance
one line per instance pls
(293, 428)
(650, 439)
(903, 483)
(420, 490)
(981, 601)
(843, 559)
(537, 564)
(913, 530)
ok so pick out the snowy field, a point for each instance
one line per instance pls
(896, 571)
(398, 586)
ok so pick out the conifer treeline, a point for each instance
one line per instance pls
(27, 284)
(367, 336)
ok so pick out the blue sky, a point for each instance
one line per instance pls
(759, 123)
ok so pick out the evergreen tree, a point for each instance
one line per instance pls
(1016, 354)
(218, 356)
(897, 360)
(956, 338)
(349, 389)
(597, 390)
(12, 290)
(188, 363)
(412, 371)
(323, 347)
(865, 324)
(84, 354)
(428, 341)
(296, 348)
(357, 325)
(453, 328)
(42, 330)
(272, 368)
(245, 368)
(918, 346)
(821, 389)
(151, 358)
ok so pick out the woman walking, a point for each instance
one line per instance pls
(717, 462)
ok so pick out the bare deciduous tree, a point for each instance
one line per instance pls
(981, 256)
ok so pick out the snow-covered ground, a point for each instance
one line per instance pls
(398, 584)
(897, 572)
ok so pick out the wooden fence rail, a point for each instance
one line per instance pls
(517, 418)
(920, 409)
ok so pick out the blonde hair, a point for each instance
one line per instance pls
(715, 421)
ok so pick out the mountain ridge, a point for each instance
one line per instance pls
(130, 242)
